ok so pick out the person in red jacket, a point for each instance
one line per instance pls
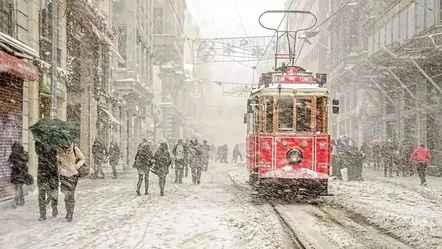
(421, 156)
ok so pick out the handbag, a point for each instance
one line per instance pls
(84, 170)
(28, 179)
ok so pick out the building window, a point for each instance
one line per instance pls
(429, 17)
(403, 26)
(46, 34)
(6, 25)
(388, 33)
(122, 40)
(396, 28)
(420, 16)
(411, 22)
(158, 24)
(382, 37)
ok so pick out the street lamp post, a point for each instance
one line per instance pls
(54, 59)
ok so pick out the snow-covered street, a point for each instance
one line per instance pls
(376, 213)
(109, 214)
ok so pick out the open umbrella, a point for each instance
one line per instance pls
(377, 141)
(347, 140)
(54, 132)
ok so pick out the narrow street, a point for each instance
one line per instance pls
(108, 214)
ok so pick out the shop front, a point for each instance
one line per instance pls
(15, 74)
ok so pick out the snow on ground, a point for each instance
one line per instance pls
(398, 205)
(108, 214)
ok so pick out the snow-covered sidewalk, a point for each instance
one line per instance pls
(108, 214)
(398, 205)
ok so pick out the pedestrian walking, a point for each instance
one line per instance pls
(220, 154)
(114, 157)
(225, 153)
(186, 158)
(69, 160)
(236, 153)
(143, 163)
(195, 154)
(47, 178)
(99, 152)
(377, 157)
(388, 155)
(163, 161)
(365, 151)
(180, 161)
(206, 155)
(18, 161)
(421, 156)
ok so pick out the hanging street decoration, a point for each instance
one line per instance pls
(236, 49)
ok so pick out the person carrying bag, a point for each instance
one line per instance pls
(69, 160)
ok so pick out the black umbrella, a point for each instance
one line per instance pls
(54, 132)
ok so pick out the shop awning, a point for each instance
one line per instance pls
(112, 118)
(17, 67)
(106, 40)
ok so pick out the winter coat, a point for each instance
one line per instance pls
(195, 154)
(144, 157)
(175, 154)
(47, 160)
(206, 149)
(19, 167)
(114, 154)
(67, 161)
(99, 151)
(162, 162)
(420, 155)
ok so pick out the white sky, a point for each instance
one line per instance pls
(218, 18)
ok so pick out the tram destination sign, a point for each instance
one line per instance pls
(293, 79)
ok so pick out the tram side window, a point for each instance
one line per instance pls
(285, 115)
(269, 114)
(304, 115)
(321, 115)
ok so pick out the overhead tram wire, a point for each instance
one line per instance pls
(334, 14)
(185, 36)
(270, 42)
(239, 17)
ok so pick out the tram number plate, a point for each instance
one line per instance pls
(291, 79)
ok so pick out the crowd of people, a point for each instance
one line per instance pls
(63, 167)
(389, 157)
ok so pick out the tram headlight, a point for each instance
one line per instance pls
(294, 156)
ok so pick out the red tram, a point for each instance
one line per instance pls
(288, 141)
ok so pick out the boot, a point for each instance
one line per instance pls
(69, 210)
(54, 212)
(139, 186)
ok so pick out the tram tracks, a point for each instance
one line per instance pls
(314, 225)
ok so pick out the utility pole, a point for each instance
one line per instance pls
(54, 59)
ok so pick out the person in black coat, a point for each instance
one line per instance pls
(18, 160)
(163, 160)
(143, 163)
(99, 152)
(114, 157)
(47, 177)
(196, 161)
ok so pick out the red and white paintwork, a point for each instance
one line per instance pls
(268, 154)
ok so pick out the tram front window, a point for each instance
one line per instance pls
(303, 115)
(285, 114)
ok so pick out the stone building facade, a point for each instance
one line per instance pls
(388, 79)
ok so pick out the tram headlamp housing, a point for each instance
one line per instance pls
(294, 156)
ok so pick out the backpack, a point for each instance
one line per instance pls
(180, 152)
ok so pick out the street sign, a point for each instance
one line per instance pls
(292, 77)
(156, 112)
